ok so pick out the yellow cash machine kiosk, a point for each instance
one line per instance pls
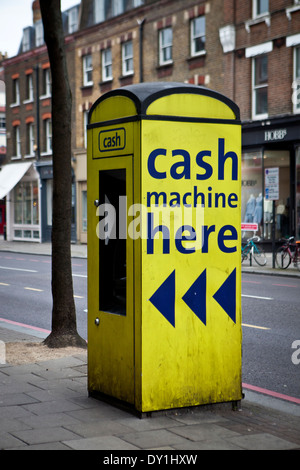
(164, 262)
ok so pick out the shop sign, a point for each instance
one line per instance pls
(277, 134)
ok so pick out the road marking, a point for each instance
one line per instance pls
(4, 284)
(254, 326)
(272, 394)
(284, 285)
(4, 320)
(251, 282)
(78, 297)
(79, 275)
(33, 288)
(257, 297)
(19, 269)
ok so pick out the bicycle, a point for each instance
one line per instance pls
(287, 253)
(252, 250)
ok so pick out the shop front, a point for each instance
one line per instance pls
(272, 144)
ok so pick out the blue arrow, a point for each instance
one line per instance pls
(226, 296)
(164, 299)
(195, 297)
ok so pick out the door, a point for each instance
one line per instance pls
(2, 218)
(110, 280)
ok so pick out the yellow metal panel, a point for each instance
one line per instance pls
(111, 343)
(191, 301)
(191, 105)
(115, 107)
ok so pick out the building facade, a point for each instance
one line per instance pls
(150, 40)
(249, 51)
(28, 169)
(264, 72)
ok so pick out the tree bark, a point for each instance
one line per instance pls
(64, 329)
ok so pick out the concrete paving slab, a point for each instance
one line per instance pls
(154, 438)
(44, 435)
(262, 441)
(203, 432)
(100, 443)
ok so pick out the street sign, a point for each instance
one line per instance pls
(249, 227)
(272, 184)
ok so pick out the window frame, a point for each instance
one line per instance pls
(194, 37)
(106, 65)
(29, 89)
(87, 69)
(46, 84)
(165, 46)
(17, 152)
(30, 140)
(127, 59)
(255, 7)
(258, 86)
(15, 92)
(47, 141)
(39, 33)
(296, 80)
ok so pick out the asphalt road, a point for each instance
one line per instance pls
(271, 324)
(270, 304)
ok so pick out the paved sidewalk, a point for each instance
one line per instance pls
(45, 405)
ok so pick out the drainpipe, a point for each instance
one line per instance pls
(38, 150)
(141, 27)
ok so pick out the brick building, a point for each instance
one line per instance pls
(263, 71)
(159, 40)
(28, 172)
(247, 50)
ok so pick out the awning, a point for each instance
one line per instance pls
(10, 175)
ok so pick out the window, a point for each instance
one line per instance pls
(26, 205)
(29, 87)
(260, 7)
(198, 36)
(87, 70)
(16, 142)
(73, 20)
(127, 58)
(118, 7)
(26, 40)
(165, 46)
(39, 33)
(260, 87)
(46, 85)
(296, 83)
(99, 11)
(47, 136)
(16, 92)
(49, 193)
(2, 121)
(106, 65)
(29, 139)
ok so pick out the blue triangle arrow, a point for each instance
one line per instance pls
(226, 296)
(164, 299)
(195, 297)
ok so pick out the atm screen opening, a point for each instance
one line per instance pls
(112, 248)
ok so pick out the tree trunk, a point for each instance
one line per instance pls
(64, 329)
